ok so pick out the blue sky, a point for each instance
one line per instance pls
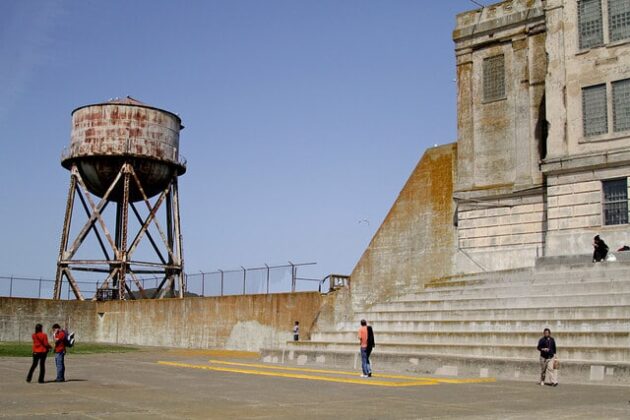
(302, 118)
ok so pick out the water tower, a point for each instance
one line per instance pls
(124, 158)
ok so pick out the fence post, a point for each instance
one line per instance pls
(11, 287)
(293, 275)
(267, 278)
(203, 281)
(68, 291)
(244, 277)
(221, 271)
(39, 289)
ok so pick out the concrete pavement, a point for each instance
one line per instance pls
(162, 383)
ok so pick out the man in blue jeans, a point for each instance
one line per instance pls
(363, 341)
(59, 336)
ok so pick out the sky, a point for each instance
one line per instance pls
(303, 119)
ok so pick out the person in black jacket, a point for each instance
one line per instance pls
(547, 349)
(370, 347)
(600, 249)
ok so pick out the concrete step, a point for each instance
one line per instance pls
(566, 299)
(590, 273)
(567, 338)
(488, 275)
(581, 353)
(542, 313)
(534, 325)
(579, 261)
(522, 289)
(523, 369)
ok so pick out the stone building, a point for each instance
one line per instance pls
(540, 166)
(543, 142)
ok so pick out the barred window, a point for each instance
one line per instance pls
(618, 19)
(494, 78)
(594, 110)
(615, 205)
(621, 105)
(590, 21)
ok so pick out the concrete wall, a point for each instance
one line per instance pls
(416, 242)
(18, 317)
(231, 322)
(499, 186)
(504, 233)
(575, 213)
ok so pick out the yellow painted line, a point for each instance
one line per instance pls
(342, 372)
(363, 381)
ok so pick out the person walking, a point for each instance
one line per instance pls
(40, 351)
(59, 336)
(600, 249)
(370, 347)
(296, 331)
(547, 348)
(363, 342)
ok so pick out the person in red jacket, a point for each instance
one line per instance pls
(40, 351)
(59, 336)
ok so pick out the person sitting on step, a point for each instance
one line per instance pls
(600, 249)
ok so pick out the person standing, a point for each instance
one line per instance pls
(363, 342)
(296, 331)
(40, 351)
(370, 347)
(547, 348)
(59, 336)
(600, 249)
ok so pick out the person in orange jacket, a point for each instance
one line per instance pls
(363, 342)
(40, 351)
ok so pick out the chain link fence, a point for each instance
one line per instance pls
(257, 280)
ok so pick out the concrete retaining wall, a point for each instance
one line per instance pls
(417, 241)
(231, 322)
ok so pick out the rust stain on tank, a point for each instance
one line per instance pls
(103, 135)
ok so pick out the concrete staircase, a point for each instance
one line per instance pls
(488, 324)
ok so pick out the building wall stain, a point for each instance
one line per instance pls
(416, 241)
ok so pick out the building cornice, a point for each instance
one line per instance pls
(587, 161)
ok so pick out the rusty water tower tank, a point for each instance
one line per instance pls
(106, 135)
(123, 151)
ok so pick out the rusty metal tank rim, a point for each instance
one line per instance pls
(181, 127)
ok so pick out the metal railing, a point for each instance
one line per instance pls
(333, 282)
(257, 280)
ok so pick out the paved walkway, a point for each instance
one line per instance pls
(219, 384)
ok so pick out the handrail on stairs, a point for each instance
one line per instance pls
(336, 282)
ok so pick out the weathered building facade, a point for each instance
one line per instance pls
(543, 130)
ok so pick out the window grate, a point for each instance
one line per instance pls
(590, 20)
(621, 105)
(618, 19)
(615, 205)
(594, 110)
(494, 78)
